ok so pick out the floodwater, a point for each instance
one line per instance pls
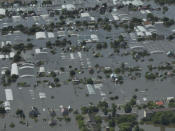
(154, 128)
(76, 95)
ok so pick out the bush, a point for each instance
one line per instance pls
(12, 125)
(90, 81)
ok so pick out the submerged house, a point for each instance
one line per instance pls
(14, 69)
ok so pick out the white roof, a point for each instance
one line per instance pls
(90, 89)
(6, 56)
(140, 33)
(22, 76)
(26, 67)
(115, 2)
(137, 47)
(40, 35)
(125, 2)
(142, 11)
(6, 103)
(16, 18)
(9, 94)
(144, 19)
(141, 28)
(8, 42)
(133, 2)
(159, 22)
(2, 11)
(35, 18)
(2, 44)
(113, 75)
(42, 95)
(92, 18)
(7, 108)
(16, 32)
(3, 72)
(5, 25)
(68, 7)
(12, 54)
(149, 26)
(157, 52)
(145, 99)
(45, 16)
(50, 34)
(94, 37)
(137, 2)
(170, 98)
(37, 51)
(61, 33)
(115, 17)
(85, 14)
(14, 69)
(123, 14)
(148, 33)
(114, 10)
(41, 69)
(152, 30)
(125, 18)
(2, 56)
(147, 11)
(19, 9)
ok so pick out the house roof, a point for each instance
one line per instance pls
(14, 69)
(40, 35)
(50, 35)
(9, 94)
(2, 11)
(68, 7)
(41, 69)
(159, 103)
(85, 14)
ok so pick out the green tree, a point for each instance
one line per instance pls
(114, 110)
(17, 57)
(89, 81)
(127, 108)
(72, 73)
(111, 123)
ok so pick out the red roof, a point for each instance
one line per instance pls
(159, 103)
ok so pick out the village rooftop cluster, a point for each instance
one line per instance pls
(88, 65)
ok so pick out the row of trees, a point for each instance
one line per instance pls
(163, 118)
